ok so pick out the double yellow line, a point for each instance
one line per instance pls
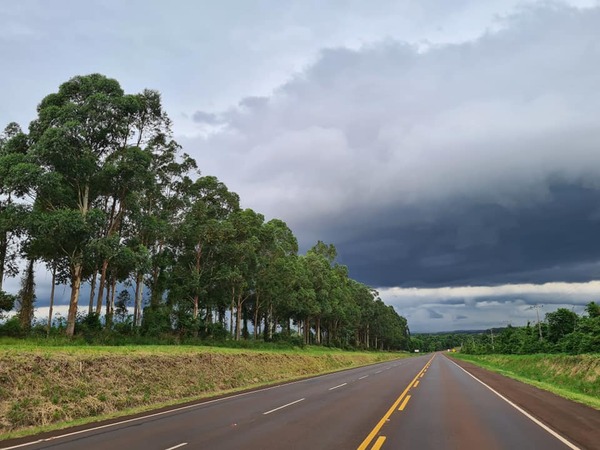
(390, 411)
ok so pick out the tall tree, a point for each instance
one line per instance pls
(241, 253)
(197, 240)
(76, 132)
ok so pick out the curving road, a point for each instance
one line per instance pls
(426, 402)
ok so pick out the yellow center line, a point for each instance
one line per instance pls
(416, 383)
(403, 405)
(378, 443)
(390, 411)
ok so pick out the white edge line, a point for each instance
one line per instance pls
(379, 371)
(363, 377)
(177, 446)
(283, 406)
(162, 413)
(521, 410)
(338, 386)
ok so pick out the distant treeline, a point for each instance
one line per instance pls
(562, 331)
(99, 193)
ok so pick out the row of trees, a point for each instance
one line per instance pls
(99, 192)
(563, 331)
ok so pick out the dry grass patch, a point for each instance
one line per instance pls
(46, 386)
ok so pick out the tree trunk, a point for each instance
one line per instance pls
(76, 273)
(221, 316)
(92, 292)
(27, 296)
(101, 286)
(318, 336)
(245, 318)
(113, 292)
(238, 318)
(209, 319)
(110, 303)
(231, 312)
(195, 313)
(3, 250)
(256, 317)
(306, 328)
(139, 291)
(51, 299)
(270, 321)
(198, 259)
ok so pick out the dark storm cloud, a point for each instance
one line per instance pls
(466, 243)
(473, 163)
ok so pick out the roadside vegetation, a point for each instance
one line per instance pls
(576, 377)
(98, 192)
(563, 331)
(49, 387)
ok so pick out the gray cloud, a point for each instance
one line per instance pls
(481, 307)
(206, 118)
(465, 163)
(434, 315)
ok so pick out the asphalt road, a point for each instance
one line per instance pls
(418, 403)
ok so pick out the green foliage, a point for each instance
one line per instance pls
(88, 326)
(564, 332)
(7, 302)
(156, 321)
(12, 327)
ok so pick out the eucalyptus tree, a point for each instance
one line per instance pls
(76, 132)
(307, 305)
(126, 172)
(197, 241)
(340, 318)
(293, 294)
(241, 249)
(141, 183)
(319, 260)
(277, 245)
(157, 212)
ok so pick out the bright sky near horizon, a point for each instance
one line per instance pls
(449, 150)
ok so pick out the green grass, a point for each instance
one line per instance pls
(16, 345)
(575, 377)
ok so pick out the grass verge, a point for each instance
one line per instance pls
(48, 388)
(575, 377)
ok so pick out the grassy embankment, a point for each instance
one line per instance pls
(576, 377)
(50, 387)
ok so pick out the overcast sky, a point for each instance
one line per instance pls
(450, 150)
